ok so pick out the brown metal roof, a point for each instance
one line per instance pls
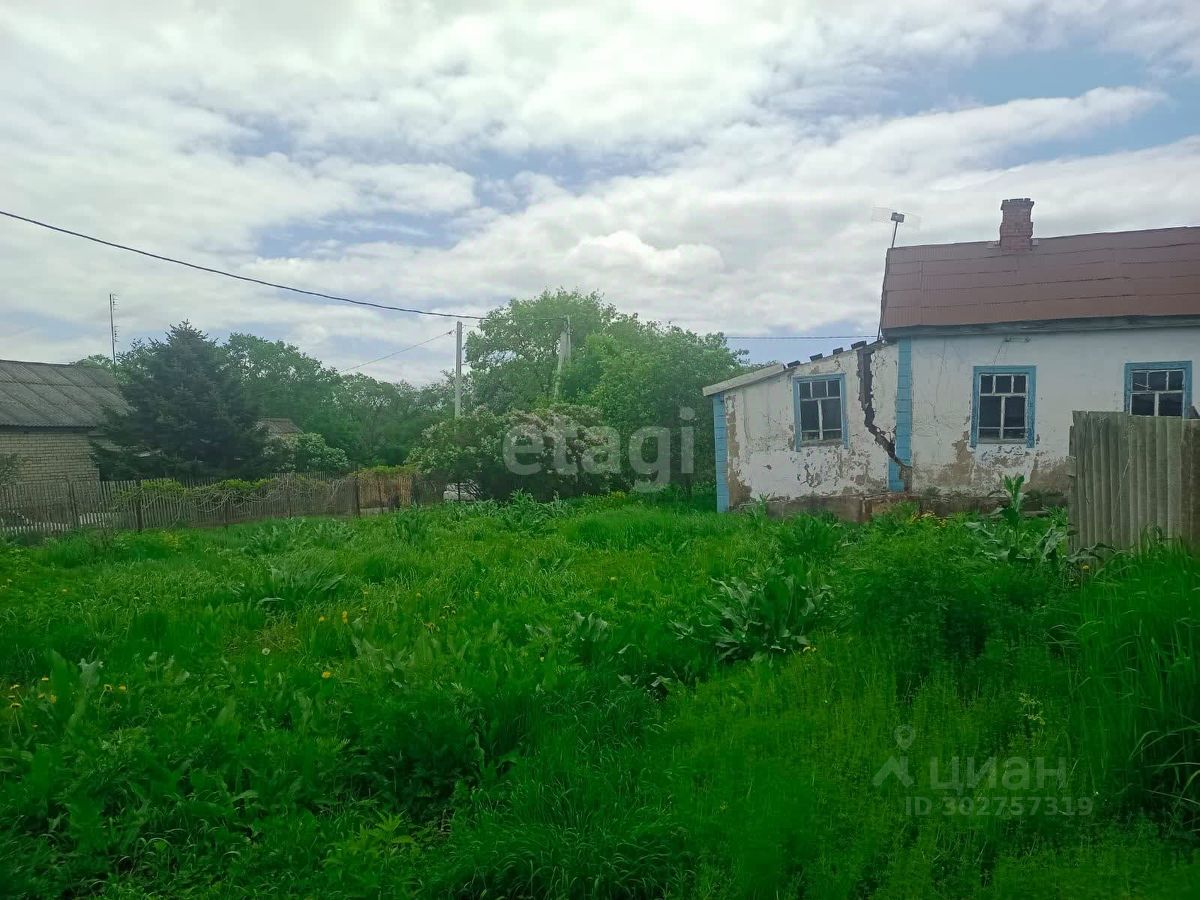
(48, 395)
(1084, 276)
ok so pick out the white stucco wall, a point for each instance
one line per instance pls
(1074, 371)
(761, 435)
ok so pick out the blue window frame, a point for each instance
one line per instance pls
(820, 407)
(1159, 388)
(1003, 408)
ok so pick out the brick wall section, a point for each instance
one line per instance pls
(51, 453)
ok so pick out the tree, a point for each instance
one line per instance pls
(658, 381)
(380, 422)
(374, 422)
(513, 354)
(545, 452)
(187, 414)
(286, 383)
(307, 452)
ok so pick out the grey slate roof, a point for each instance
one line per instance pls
(279, 427)
(50, 395)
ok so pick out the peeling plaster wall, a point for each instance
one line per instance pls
(1078, 371)
(761, 435)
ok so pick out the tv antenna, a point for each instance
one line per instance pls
(897, 218)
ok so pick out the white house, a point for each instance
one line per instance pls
(988, 347)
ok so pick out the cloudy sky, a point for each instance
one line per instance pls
(714, 165)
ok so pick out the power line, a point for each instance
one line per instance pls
(209, 269)
(793, 337)
(396, 352)
(369, 303)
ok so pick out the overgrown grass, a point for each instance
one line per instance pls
(601, 699)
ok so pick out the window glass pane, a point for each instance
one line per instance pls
(1140, 380)
(989, 413)
(1141, 404)
(1170, 404)
(985, 384)
(1175, 380)
(1003, 384)
(806, 436)
(809, 420)
(818, 388)
(1158, 380)
(831, 417)
(835, 387)
(1014, 413)
(804, 389)
(989, 434)
(1018, 384)
(1014, 434)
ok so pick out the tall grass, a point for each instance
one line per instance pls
(589, 699)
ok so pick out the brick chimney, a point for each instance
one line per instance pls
(1016, 225)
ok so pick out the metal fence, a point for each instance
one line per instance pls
(60, 506)
(1131, 474)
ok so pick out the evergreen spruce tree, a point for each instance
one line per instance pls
(188, 415)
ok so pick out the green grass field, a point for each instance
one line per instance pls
(603, 699)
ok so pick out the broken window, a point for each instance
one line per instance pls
(1158, 389)
(819, 409)
(1004, 410)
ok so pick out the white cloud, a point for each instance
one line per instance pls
(712, 164)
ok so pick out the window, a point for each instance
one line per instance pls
(820, 410)
(1158, 389)
(1003, 410)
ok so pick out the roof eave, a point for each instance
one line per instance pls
(745, 379)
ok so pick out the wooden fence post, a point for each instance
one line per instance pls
(138, 506)
(75, 523)
(287, 493)
(357, 499)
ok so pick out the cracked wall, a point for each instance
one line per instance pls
(760, 422)
(1081, 370)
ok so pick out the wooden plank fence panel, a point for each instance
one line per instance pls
(50, 507)
(1131, 474)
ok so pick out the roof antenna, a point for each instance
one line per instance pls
(883, 214)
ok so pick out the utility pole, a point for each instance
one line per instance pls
(112, 325)
(564, 355)
(458, 370)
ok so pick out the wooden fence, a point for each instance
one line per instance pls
(60, 506)
(1133, 473)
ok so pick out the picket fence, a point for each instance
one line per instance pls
(59, 506)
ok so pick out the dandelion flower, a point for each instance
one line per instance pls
(121, 688)
(320, 618)
(45, 678)
(53, 698)
(326, 674)
(345, 617)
